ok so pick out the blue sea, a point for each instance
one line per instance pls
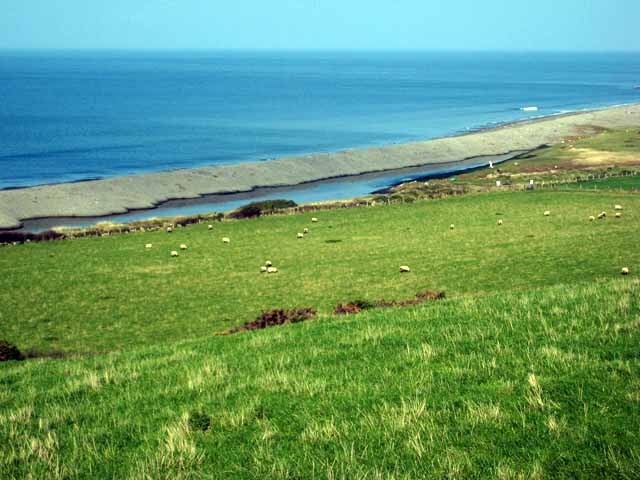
(70, 116)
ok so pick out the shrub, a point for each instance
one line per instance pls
(255, 209)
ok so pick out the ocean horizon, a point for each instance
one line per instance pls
(69, 116)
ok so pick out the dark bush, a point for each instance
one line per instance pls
(20, 237)
(255, 209)
(9, 351)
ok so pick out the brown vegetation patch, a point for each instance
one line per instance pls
(8, 351)
(587, 157)
(357, 306)
(274, 318)
(51, 354)
(350, 308)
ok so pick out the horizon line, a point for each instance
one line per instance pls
(306, 50)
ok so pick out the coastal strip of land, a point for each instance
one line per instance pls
(122, 194)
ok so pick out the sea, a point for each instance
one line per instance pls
(68, 116)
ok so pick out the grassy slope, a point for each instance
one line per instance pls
(530, 370)
(101, 294)
(537, 384)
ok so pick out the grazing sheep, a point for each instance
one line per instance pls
(592, 218)
(515, 164)
(498, 183)
(174, 253)
(148, 245)
(547, 213)
(183, 247)
(305, 231)
(618, 215)
(602, 215)
(272, 270)
(226, 240)
(452, 226)
(268, 263)
(625, 271)
(300, 235)
(500, 222)
(618, 207)
(169, 229)
(314, 219)
(210, 227)
(404, 269)
(263, 269)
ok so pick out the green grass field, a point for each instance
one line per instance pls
(529, 369)
(104, 294)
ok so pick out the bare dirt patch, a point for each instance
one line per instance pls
(274, 318)
(350, 308)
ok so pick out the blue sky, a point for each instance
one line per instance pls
(591, 25)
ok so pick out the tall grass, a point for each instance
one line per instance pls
(536, 384)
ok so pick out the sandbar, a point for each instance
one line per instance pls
(134, 192)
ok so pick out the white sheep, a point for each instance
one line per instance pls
(174, 253)
(452, 226)
(618, 215)
(404, 269)
(272, 270)
(617, 207)
(169, 229)
(592, 218)
(183, 247)
(226, 240)
(300, 235)
(500, 222)
(547, 213)
(148, 245)
(625, 271)
(263, 269)
(268, 263)
(210, 227)
(314, 219)
(305, 231)
(602, 215)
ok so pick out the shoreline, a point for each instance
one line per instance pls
(149, 191)
(374, 145)
(395, 177)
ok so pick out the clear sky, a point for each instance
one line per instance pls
(591, 25)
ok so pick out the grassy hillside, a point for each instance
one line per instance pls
(537, 384)
(530, 368)
(104, 294)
